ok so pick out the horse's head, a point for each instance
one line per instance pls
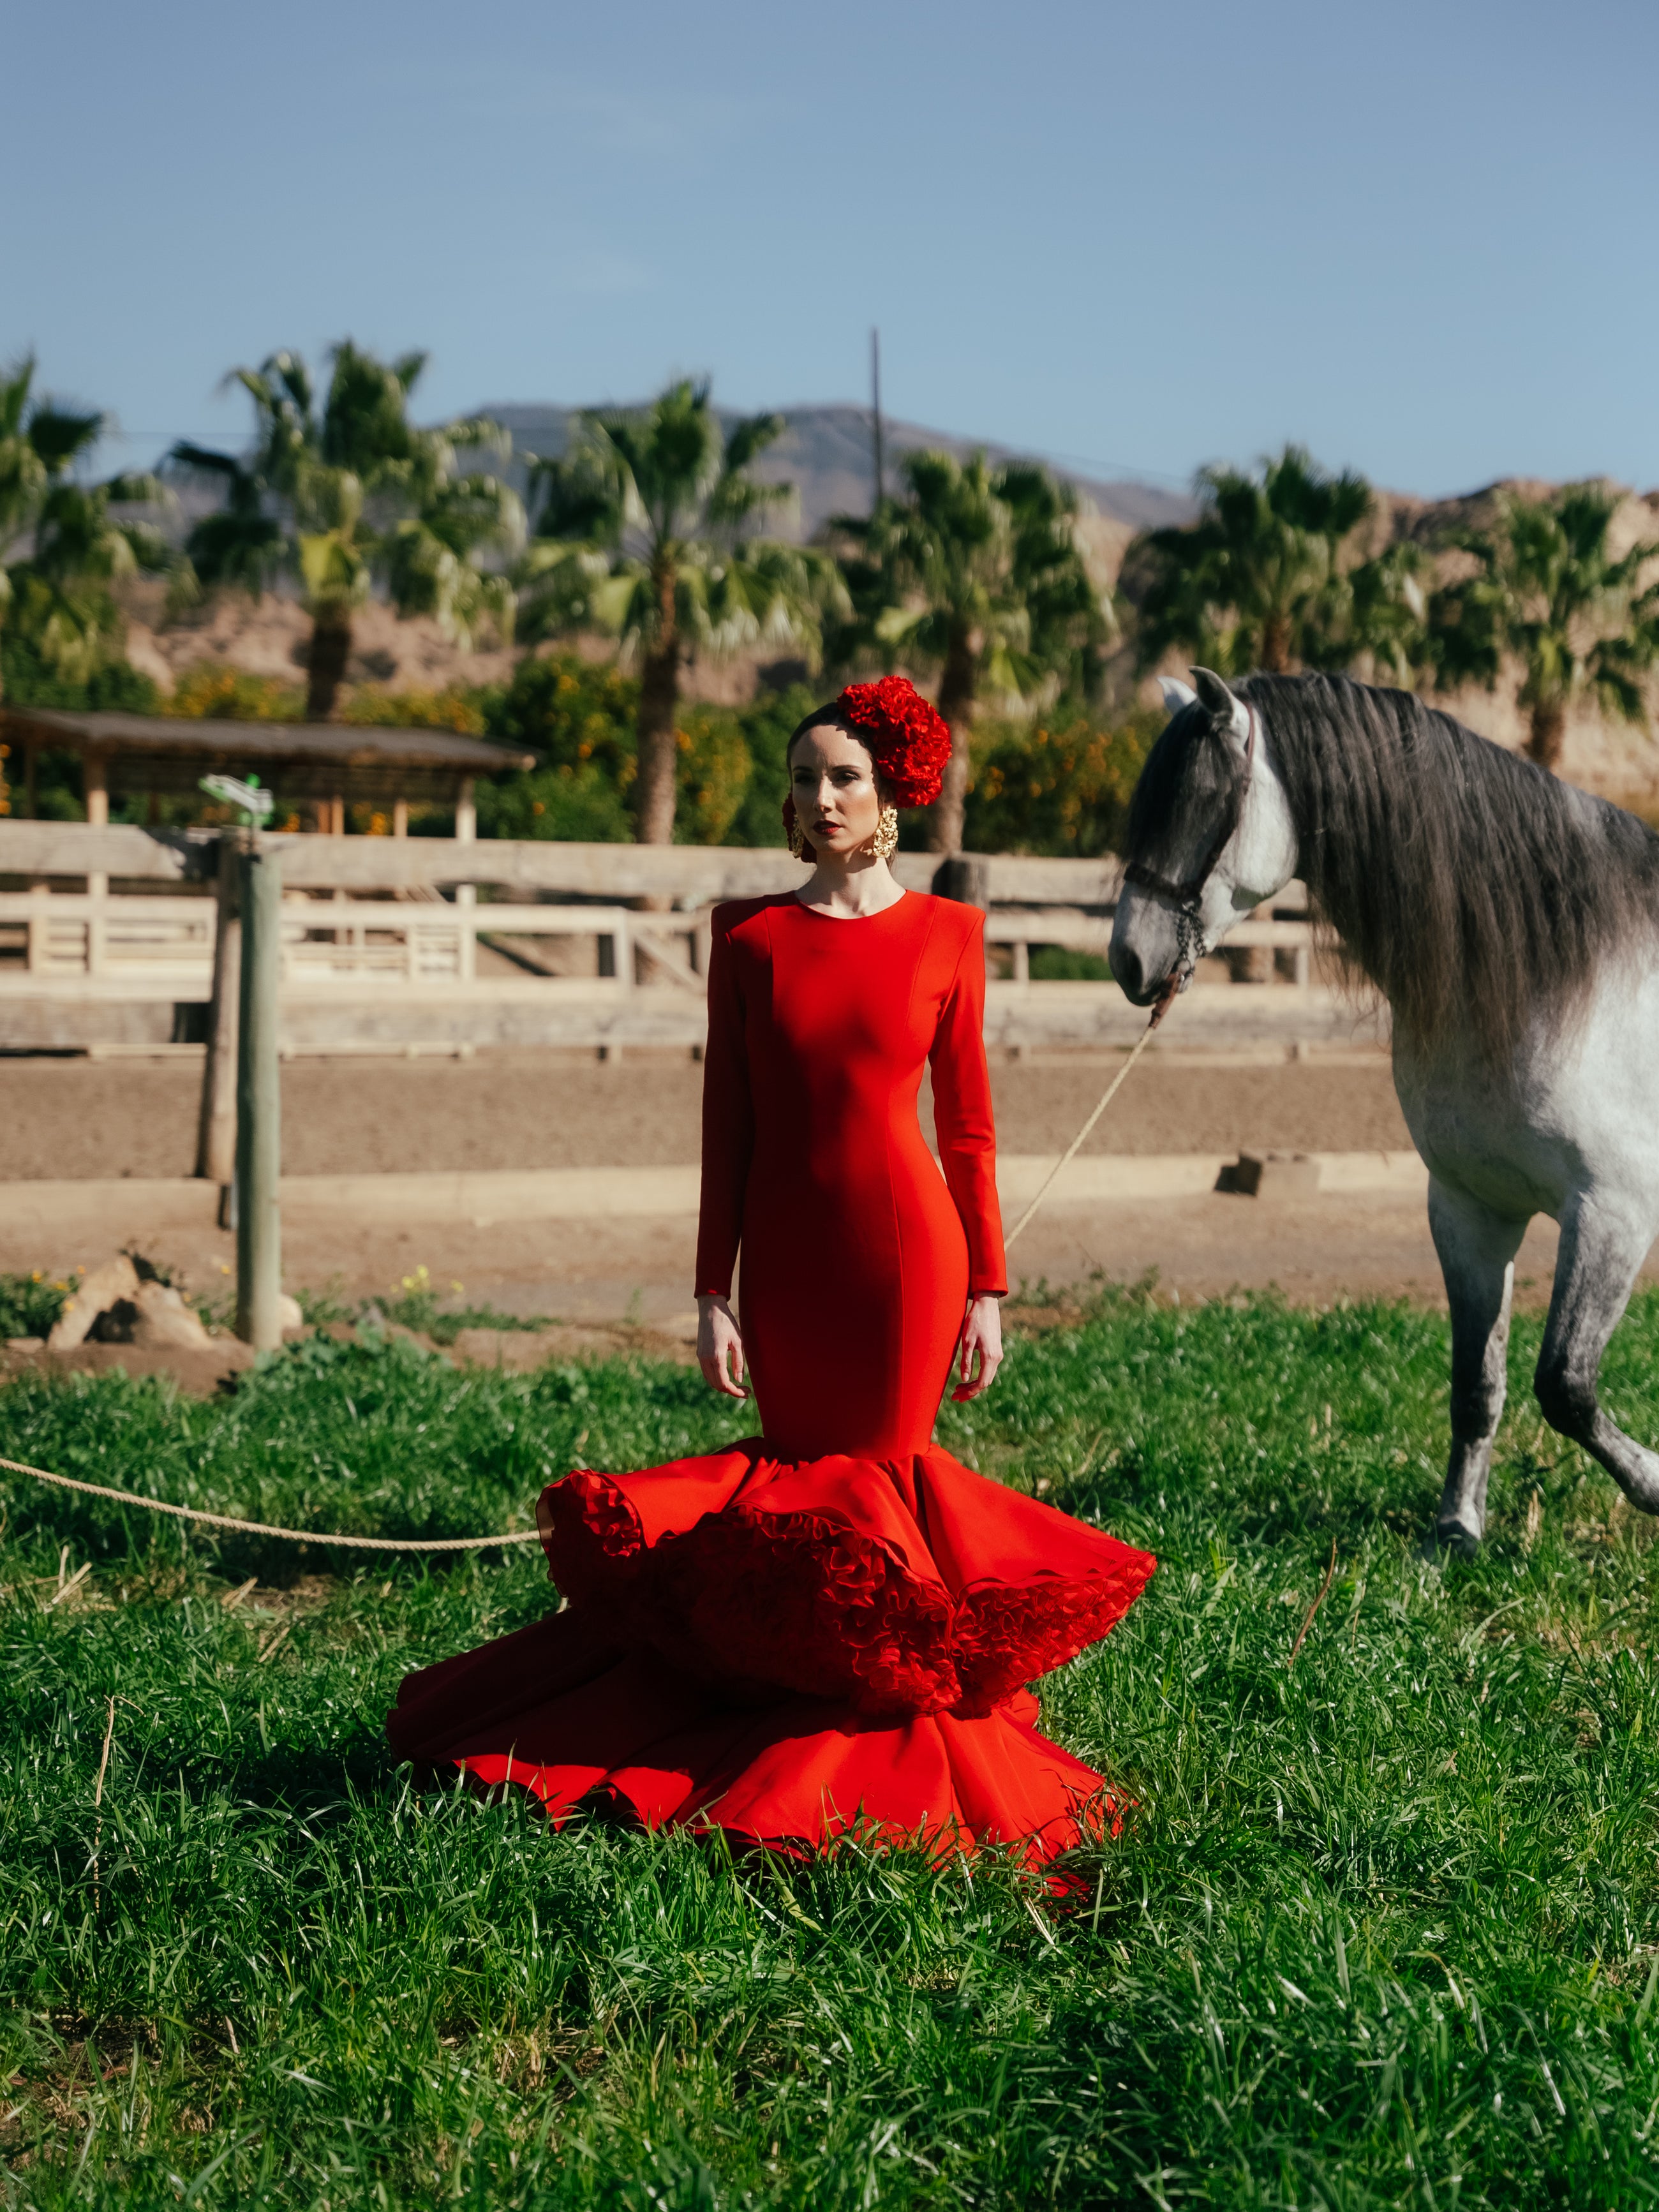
(1210, 837)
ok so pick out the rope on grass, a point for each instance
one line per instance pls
(265, 1528)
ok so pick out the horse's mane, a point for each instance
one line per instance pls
(1468, 884)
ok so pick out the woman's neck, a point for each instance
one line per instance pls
(859, 886)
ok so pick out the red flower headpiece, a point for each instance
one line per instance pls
(909, 739)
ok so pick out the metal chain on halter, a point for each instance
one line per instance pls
(1190, 946)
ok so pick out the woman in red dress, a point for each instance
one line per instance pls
(829, 1626)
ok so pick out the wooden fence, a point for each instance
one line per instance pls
(112, 936)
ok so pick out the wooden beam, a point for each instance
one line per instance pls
(38, 849)
(94, 785)
(693, 875)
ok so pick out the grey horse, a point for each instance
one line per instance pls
(1512, 923)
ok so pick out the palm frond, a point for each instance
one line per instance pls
(61, 435)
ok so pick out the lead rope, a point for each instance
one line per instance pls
(267, 1528)
(531, 1535)
(1176, 983)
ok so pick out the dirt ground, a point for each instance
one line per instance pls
(68, 1119)
(78, 1119)
(71, 1119)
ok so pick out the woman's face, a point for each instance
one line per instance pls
(832, 780)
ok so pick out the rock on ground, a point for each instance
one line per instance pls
(113, 1283)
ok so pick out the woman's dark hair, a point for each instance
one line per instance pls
(832, 717)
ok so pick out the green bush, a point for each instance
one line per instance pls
(580, 720)
(1058, 785)
(767, 724)
(572, 713)
(28, 680)
(213, 691)
(715, 767)
(1059, 963)
(459, 707)
(29, 1304)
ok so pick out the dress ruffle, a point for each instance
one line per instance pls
(789, 1652)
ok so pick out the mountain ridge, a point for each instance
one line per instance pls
(825, 452)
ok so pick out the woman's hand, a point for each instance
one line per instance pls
(982, 1340)
(720, 1347)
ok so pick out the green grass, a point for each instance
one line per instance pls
(416, 1304)
(30, 1304)
(1384, 1929)
(1060, 963)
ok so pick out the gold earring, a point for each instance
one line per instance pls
(884, 843)
(796, 841)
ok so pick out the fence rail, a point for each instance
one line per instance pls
(691, 875)
(385, 941)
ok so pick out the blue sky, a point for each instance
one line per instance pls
(1421, 238)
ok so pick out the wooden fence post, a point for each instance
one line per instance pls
(259, 1106)
(964, 878)
(466, 895)
(94, 773)
(215, 1128)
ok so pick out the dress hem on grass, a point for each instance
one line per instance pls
(791, 1652)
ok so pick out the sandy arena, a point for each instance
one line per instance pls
(73, 1119)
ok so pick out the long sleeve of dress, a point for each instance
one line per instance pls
(962, 1120)
(728, 1122)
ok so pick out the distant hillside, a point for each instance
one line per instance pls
(825, 453)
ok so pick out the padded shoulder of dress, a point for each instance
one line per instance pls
(730, 915)
(960, 923)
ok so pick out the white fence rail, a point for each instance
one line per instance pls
(153, 940)
(376, 955)
(155, 943)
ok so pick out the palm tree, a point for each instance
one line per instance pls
(433, 558)
(1258, 582)
(342, 494)
(60, 595)
(1547, 591)
(647, 529)
(61, 592)
(978, 577)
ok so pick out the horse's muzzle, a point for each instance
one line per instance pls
(1131, 977)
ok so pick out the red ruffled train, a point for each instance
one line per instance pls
(791, 1652)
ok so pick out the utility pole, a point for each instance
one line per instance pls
(875, 417)
(259, 1103)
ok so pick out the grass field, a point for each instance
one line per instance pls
(1384, 1929)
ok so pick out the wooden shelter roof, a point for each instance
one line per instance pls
(294, 760)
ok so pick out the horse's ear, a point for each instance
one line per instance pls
(1226, 711)
(1176, 695)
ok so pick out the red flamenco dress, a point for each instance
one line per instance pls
(829, 1627)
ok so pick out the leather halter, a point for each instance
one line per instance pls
(1187, 895)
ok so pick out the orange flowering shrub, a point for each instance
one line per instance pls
(1060, 784)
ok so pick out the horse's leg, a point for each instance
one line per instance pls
(1602, 1247)
(1477, 1250)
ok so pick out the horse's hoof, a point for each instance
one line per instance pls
(1452, 1539)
